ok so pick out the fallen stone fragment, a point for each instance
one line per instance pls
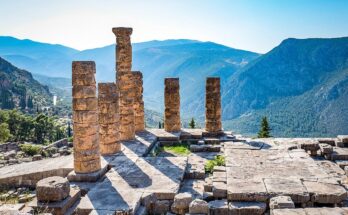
(245, 208)
(199, 206)
(181, 203)
(281, 202)
(325, 148)
(52, 189)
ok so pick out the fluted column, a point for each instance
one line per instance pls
(85, 118)
(213, 105)
(172, 105)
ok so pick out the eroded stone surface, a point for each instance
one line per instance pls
(52, 189)
(239, 208)
(213, 105)
(172, 121)
(281, 202)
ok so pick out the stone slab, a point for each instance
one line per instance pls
(310, 211)
(28, 174)
(287, 187)
(193, 186)
(88, 177)
(246, 208)
(339, 153)
(161, 134)
(325, 193)
(246, 190)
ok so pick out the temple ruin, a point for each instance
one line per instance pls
(121, 167)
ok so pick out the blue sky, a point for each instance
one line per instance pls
(255, 25)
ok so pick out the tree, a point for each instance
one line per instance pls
(30, 102)
(4, 132)
(159, 125)
(69, 130)
(192, 123)
(265, 130)
(22, 103)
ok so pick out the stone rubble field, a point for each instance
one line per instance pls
(260, 176)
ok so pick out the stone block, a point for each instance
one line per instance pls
(172, 121)
(288, 187)
(325, 148)
(246, 190)
(281, 202)
(199, 206)
(85, 117)
(246, 208)
(52, 189)
(343, 138)
(84, 92)
(219, 190)
(325, 193)
(213, 105)
(181, 203)
(218, 207)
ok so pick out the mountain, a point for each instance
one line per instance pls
(190, 60)
(301, 85)
(17, 84)
(36, 57)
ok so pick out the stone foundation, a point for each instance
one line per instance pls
(108, 118)
(172, 105)
(138, 102)
(85, 118)
(213, 106)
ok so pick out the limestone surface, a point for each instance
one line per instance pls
(172, 121)
(213, 105)
(52, 189)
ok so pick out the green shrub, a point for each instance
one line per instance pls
(70, 139)
(30, 149)
(219, 160)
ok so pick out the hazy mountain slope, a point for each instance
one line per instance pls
(14, 82)
(36, 57)
(301, 85)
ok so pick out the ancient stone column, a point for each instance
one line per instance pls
(108, 118)
(138, 101)
(213, 106)
(172, 105)
(125, 83)
(85, 118)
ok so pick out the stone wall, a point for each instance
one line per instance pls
(85, 118)
(108, 118)
(213, 105)
(172, 105)
(138, 101)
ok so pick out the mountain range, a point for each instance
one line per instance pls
(301, 85)
(19, 85)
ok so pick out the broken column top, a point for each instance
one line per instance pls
(138, 73)
(122, 31)
(171, 80)
(83, 67)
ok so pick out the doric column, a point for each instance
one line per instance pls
(125, 83)
(172, 105)
(108, 118)
(85, 117)
(213, 106)
(138, 101)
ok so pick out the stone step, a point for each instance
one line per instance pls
(205, 148)
(219, 190)
(211, 140)
(255, 208)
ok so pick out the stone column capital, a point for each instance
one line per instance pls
(122, 31)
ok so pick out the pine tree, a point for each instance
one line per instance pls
(30, 102)
(69, 130)
(192, 123)
(265, 130)
(23, 103)
(159, 125)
